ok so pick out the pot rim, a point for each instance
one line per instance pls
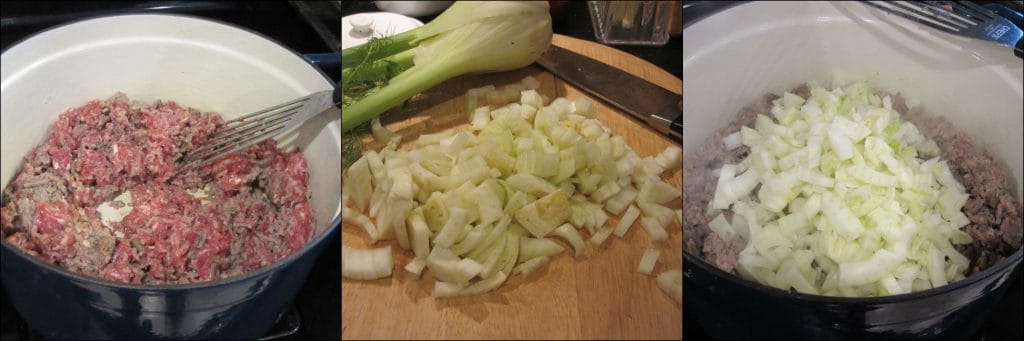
(332, 227)
(1012, 260)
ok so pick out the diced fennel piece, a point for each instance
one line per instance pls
(657, 191)
(536, 247)
(619, 202)
(936, 264)
(511, 253)
(722, 227)
(647, 261)
(605, 192)
(619, 147)
(446, 289)
(537, 163)
(841, 145)
(471, 240)
(881, 263)
(416, 266)
(584, 107)
(382, 134)
(351, 216)
(436, 138)
(601, 235)
(494, 255)
(516, 201)
(545, 214)
(452, 228)
(840, 217)
(671, 158)
(654, 229)
(419, 234)
(661, 214)
(397, 212)
(481, 117)
(529, 183)
(721, 200)
(446, 266)
(627, 220)
(376, 165)
(480, 287)
(679, 214)
(529, 82)
(671, 282)
(732, 141)
(366, 264)
(531, 98)
(489, 241)
(359, 183)
(569, 233)
(488, 197)
(525, 268)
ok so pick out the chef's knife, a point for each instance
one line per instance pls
(660, 108)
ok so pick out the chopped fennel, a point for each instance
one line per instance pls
(846, 203)
(526, 267)
(366, 264)
(671, 282)
(478, 206)
(627, 220)
(647, 261)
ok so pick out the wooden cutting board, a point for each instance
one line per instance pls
(597, 296)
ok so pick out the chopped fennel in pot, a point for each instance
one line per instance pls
(840, 197)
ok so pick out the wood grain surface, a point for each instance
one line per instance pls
(597, 296)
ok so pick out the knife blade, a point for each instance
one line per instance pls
(660, 108)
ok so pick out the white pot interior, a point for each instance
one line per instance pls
(197, 63)
(735, 56)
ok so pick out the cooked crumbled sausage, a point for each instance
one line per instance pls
(103, 148)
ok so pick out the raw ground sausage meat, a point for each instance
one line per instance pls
(255, 213)
(994, 213)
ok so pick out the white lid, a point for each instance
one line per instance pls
(357, 29)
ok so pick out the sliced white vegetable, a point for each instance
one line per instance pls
(627, 220)
(416, 266)
(881, 263)
(569, 233)
(671, 282)
(452, 228)
(658, 192)
(359, 183)
(419, 234)
(545, 214)
(446, 289)
(647, 261)
(537, 247)
(527, 267)
(398, 212)
(654, 229)
(732, 141)
(366, 264)
(601, 235)
(671, 158)
(619, 202)
(351, 216)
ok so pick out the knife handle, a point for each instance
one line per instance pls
(677, 126)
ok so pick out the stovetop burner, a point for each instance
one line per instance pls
(305, 27)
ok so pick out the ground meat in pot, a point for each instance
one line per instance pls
(171, 235)
(994, 212)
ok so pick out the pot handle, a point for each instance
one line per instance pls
(324, 60)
